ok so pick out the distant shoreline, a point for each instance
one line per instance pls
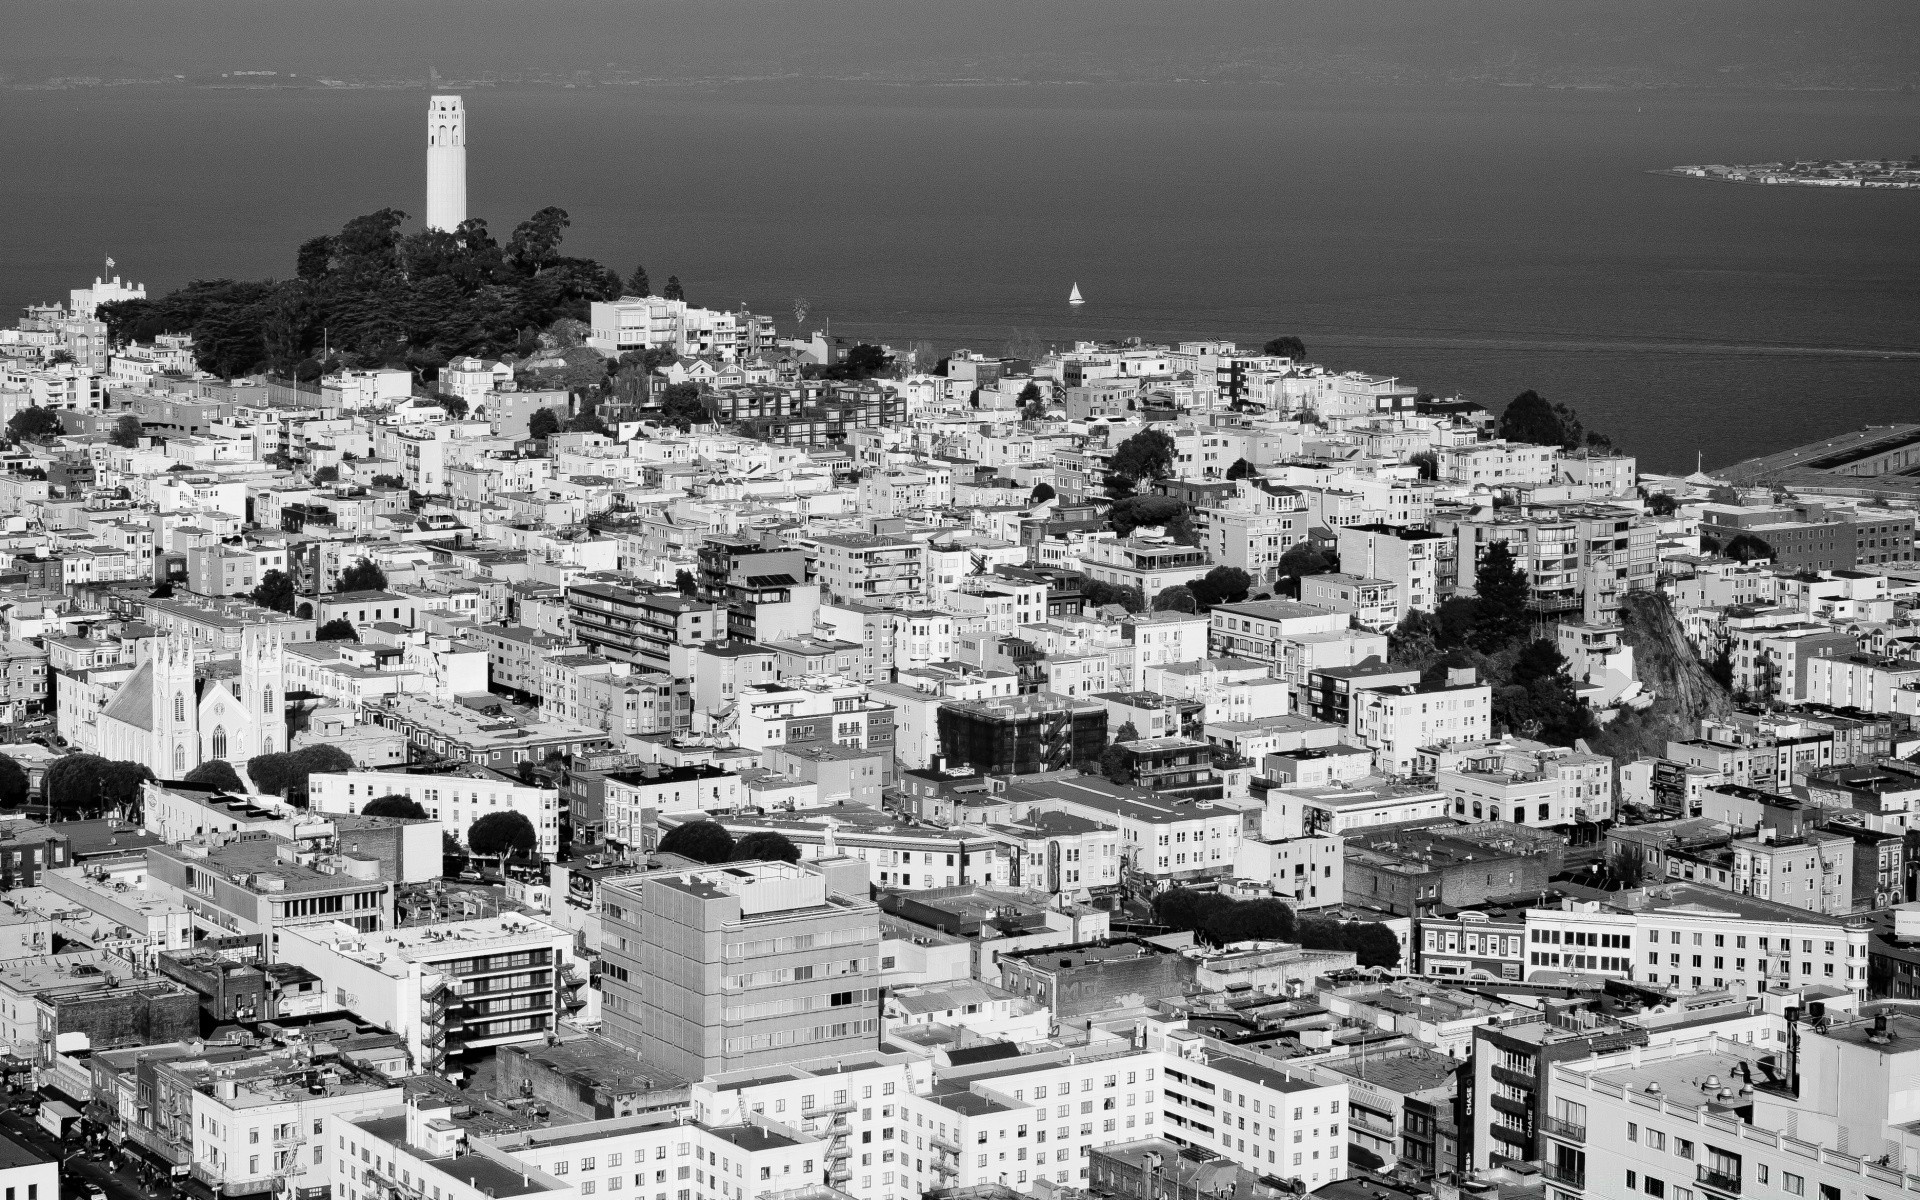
(271, 82)
(1905, 177)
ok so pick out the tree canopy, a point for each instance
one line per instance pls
(34, 424)
(337, 630)
(681, 406)
(363, 576)
(1286, 347)
(1529, 417)
(544, 423)
(71, 785)
(217, 773)
(1241, 469)
(1137, 512)
(14, 784)
(1144, 456)
(1222, 585)
(275, 591)
(394, 805)
(127, 431)
(701, 841)
(1178, 598)
(1746, 547)
(501, 834)
(380, 298)
(1500, 588)
(286, 774)
(1042, 492)
(1222, 920)
(765, 845)
(1099, 592)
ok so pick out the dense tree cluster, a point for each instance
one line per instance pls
(701, 841)
(34, 425)
(86, 785)
(394, 805)
(1530, 418)
(363, 576)
(286, 774)
(1099, 593)
(216, 773)
(377, 297)
(1146, 456)
(765, 845)
(1492, 632)
(1222, 920)
(500, 834)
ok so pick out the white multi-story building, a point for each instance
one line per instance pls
(1693, 937)
(456, 799)
(1397, 722)
(450, 988)
(1716, 1117)
(1408, 558)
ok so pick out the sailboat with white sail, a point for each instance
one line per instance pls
(1074, 297)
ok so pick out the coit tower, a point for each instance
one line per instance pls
(446, 163)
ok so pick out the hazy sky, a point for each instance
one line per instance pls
(1772, 43)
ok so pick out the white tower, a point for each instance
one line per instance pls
(446, 163)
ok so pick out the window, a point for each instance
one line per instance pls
(1792, 1185)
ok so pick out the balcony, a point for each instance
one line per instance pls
(839, 1153)
(1513, 1108)
(1359, 1118)
(1718, 1181)
(1513, 1137)
(940, 1143)
(1564, 1175)
(1564, 1129)
(942, 1167)
(1516, 1078)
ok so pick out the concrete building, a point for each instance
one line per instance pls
(456, 799)
(1021, 735)
(450, 988)
(446, 163)
(741, 965)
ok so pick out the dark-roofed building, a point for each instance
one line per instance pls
(1106, 976)
(590, 1078)
(1022, 735)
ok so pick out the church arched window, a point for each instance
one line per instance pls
(219, 741)
(179, 759)
(266, 701)
(179, 707)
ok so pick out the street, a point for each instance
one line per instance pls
(77, 1169)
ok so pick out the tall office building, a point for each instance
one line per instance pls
(446, 163)
(741, 965)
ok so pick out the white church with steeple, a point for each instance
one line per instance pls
(174, 713)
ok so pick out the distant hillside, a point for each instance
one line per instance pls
(1567, 43)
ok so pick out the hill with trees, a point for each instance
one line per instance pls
(375, 296)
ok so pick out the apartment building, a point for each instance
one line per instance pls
(1397, 721)
(656, 631)
(1268, 631)
(870, 569)
(1689, 935)
(454, 987)
(1714, 1116)
(264, 886)
(1415, 561)
(743, 965)
(1816, 535)
(456, 799)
